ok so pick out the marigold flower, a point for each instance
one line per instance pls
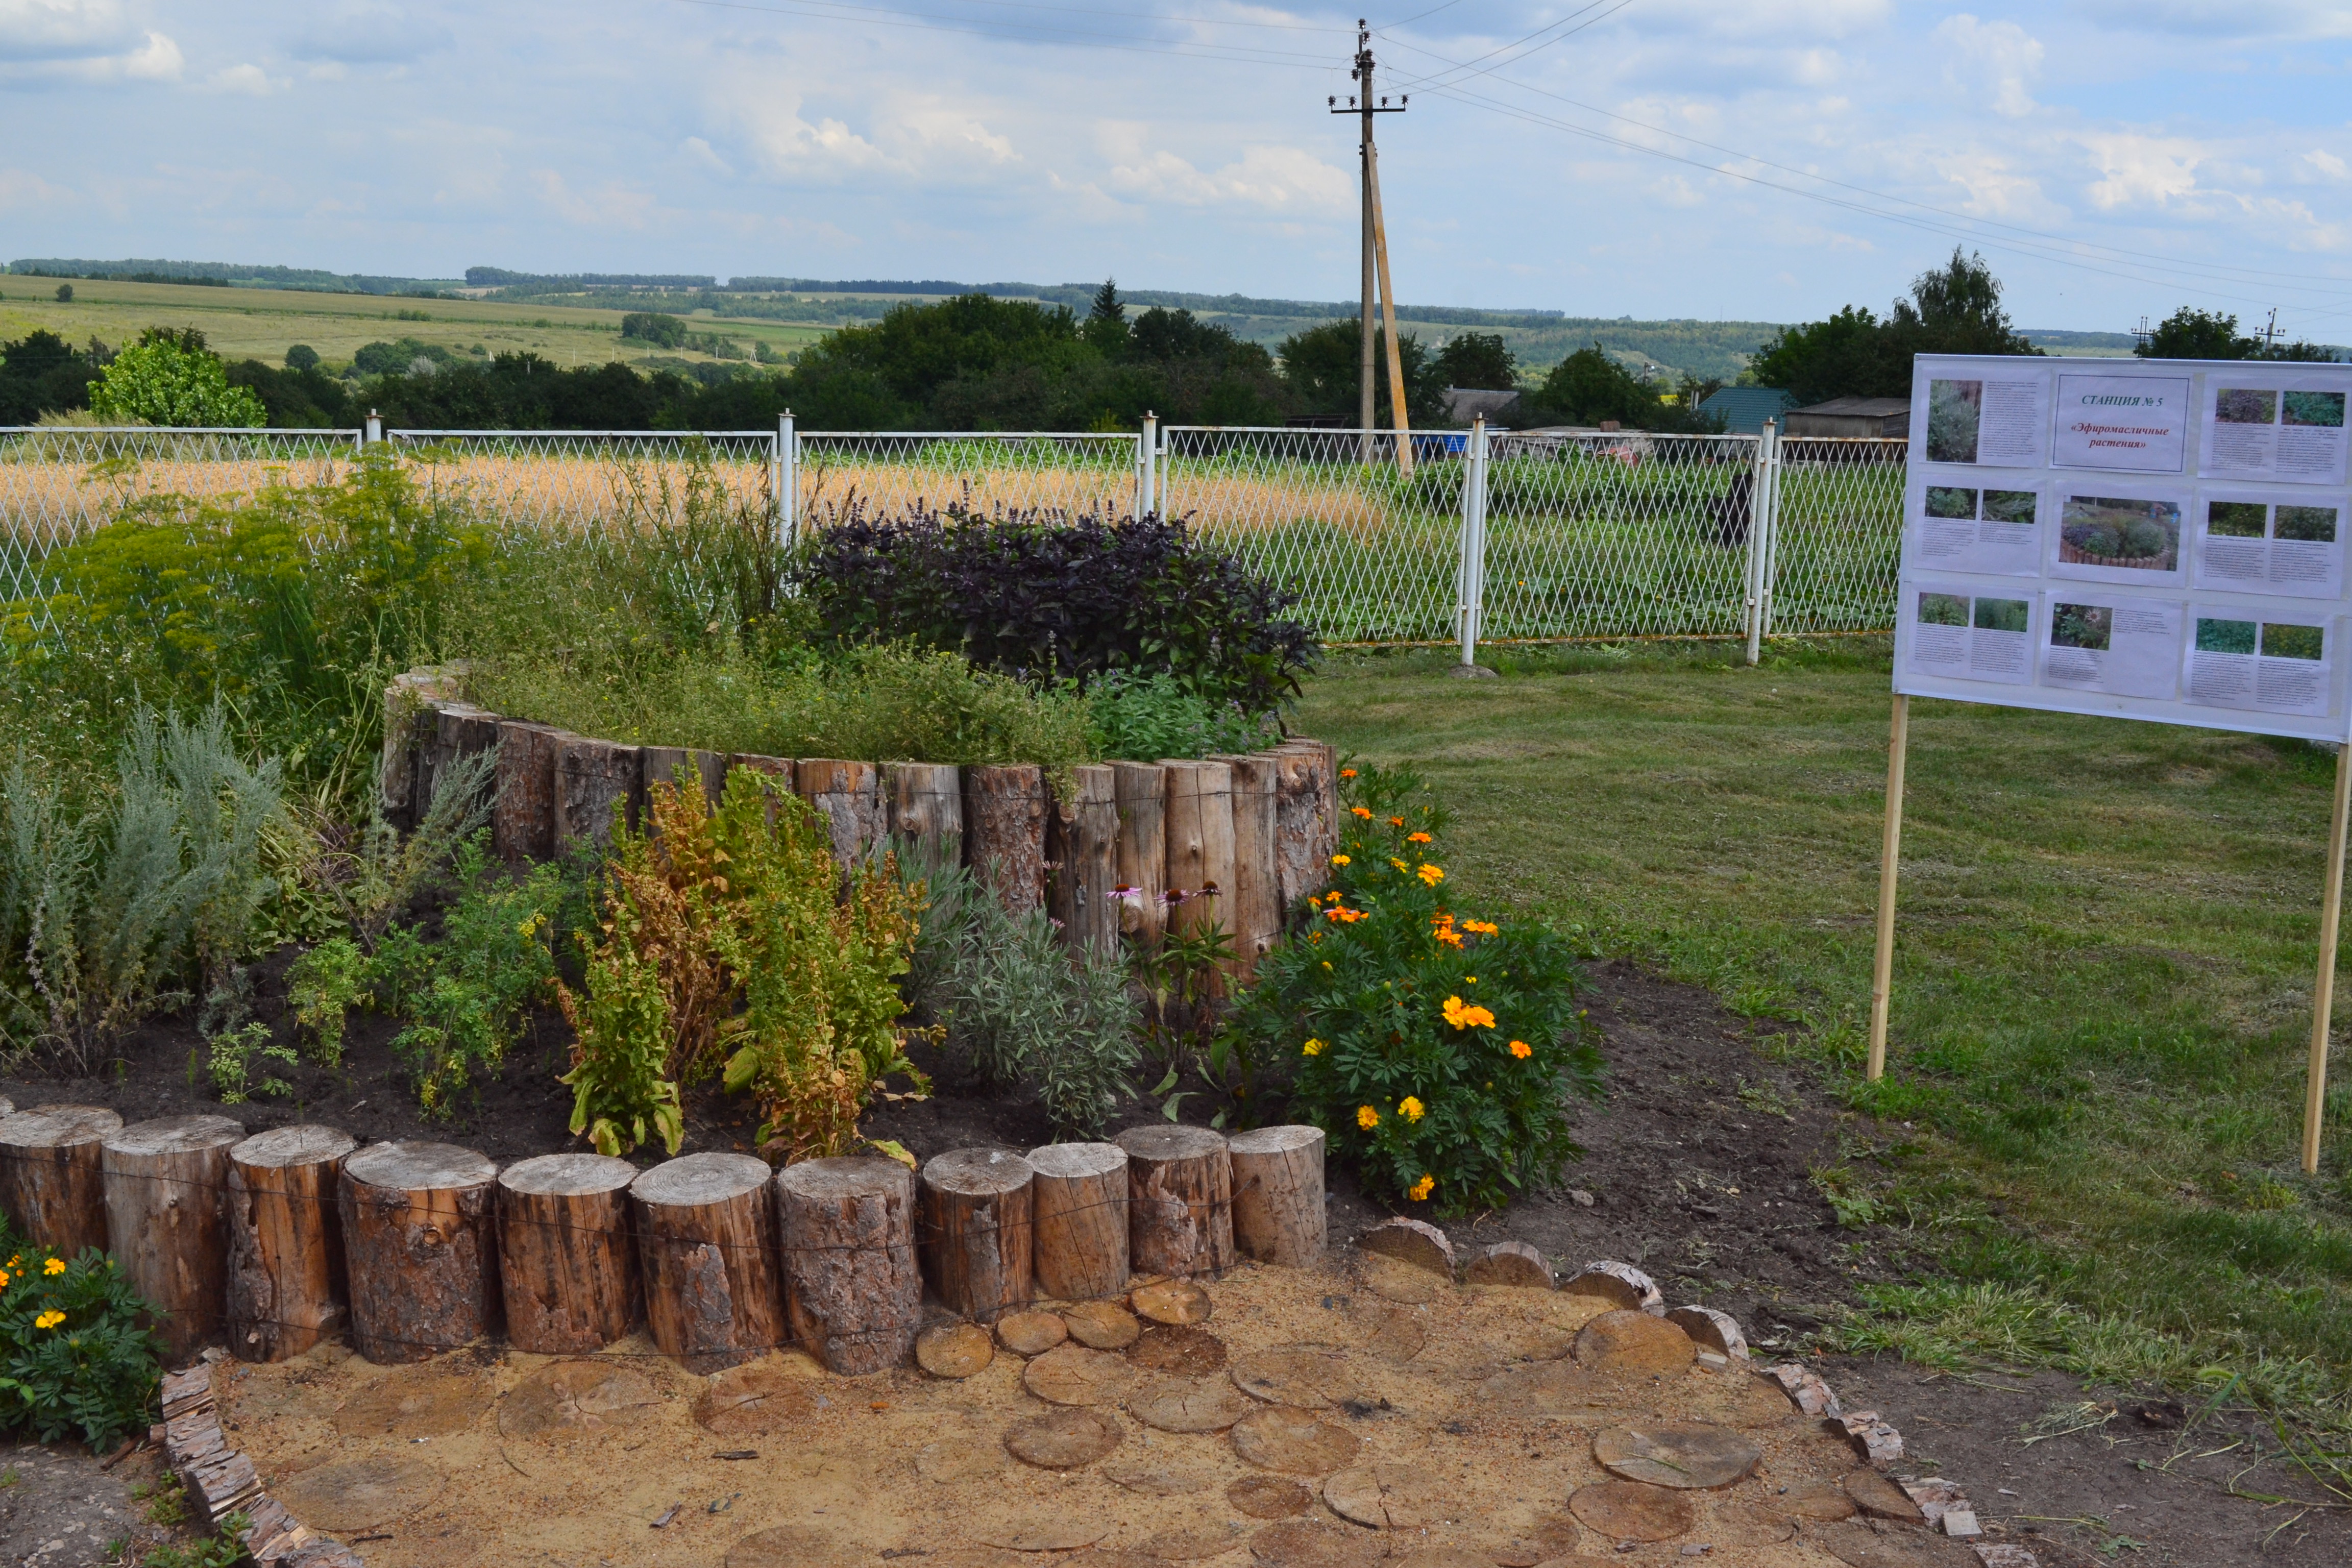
(1367, 1117)
(1430, 874)
(1419, 1191)
(1359, 811)
(1396, 822)
(4, 1279)
(1341, 860)
(1416, 838)
(54, 1266)
(1469, 980)
(1409, 1108)
(1347, 772)
(1521, 1050)
(1483, 928)
(1464, 1017)
(1327, 963)
(49, 1320)
(1399, 864)
(1315, 1048)
(1447, 935)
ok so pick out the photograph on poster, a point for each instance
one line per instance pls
(2272, 426)
(1993, 422)
(2257, 545)
(2235, 659)
(2128, 424)
(2118, 538)
(1961, 529)
(1966, 637)
(2123, 646)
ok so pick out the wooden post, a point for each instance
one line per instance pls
(1304, 835)
(977, 1240)
(1200, 847)
(286, 1285)
(1397, 411)
(52, 1176)
(855, 1295)
(522, 820)
(1005, 832)
(1140, 858)
(1079, 1208)
(598, 786)
(458, 730)
(1257, 903)
(778, 770)
(926, 807)
(1890, 865)
(1081, 858)
(708, 768)
(2323, 998)
(165, 1181)
(420, 1236)
(1180, 1200)
(713, 1298)
(848, 796)
(1278, 1215)
(566, 1268)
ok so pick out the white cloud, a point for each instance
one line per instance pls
(2141, 171)
(1271, 179)
(250, 80)
(2326, 163)
(2000, 57)
(51, 42)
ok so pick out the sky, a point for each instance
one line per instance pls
(1720, 159)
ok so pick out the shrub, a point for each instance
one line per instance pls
(1433, 1049)
(73, 1359)
(1052, 597)
(1147, 718)
(170, 377)
(230, 1061)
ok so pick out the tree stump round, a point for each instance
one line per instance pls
(420, 1233)
(1278, 1215)
(52, 1179)
(848, 1233)
(1180, 1200)
(566, 1268)
(1079, 1218)
(286, 1285)
(976, 1241)
(713, 1296)
(166, 1222)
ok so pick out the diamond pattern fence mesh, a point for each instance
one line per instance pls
(1586, 535)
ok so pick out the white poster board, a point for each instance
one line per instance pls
(2142, 539)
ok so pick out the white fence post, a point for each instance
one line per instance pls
(373, 431)
(1147, 454)
(1472, 578)
(787, 480)
(1763, 513)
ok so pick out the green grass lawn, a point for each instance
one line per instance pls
(2102, 983)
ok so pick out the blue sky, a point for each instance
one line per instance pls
(2111, 157)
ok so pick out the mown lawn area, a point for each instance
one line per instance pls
(2103, 975)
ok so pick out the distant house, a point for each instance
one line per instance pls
(1744, 409)
(1851, 416)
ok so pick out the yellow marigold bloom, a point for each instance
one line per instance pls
(49, 1320)
(1521, 1050)
(1419, 1191)
(1448, 936)
(1341, 860)
(1464, 1017)
(1483, 928)
(54, 1266)
(1359, 811)
(1416, 838)
(1314, 1046)
(1430, 874)
(1409, 1108)
(1469, 980)
(1367, 1117)
(1399, 864)
(4, 1279)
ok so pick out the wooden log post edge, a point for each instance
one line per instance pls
(1255, 907)
(1200, 872)
(977, 1241)
(459, 729)
(599, 786)
(286, 1285)
(567, 1269)
(925, 804)
(420, 1223)
(777, 774)
(703, 770)
(849, 796)
(1140, 858)
(1005, 832)
(705, 1227)
(1079, 1218)
(1180, 1200)
(1279, 1213)
(166, 1184)
(522, 818)
(52, 1174)
(1081, 861)
(847, 1230)
(1304, 835)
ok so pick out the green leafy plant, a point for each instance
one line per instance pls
(229, 1061)
(170, 377)
(224, 1548)
(73, 1359)
(1433, 1047)
(321, 988)
(1146, 718)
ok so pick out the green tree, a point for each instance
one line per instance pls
(2192, 334)
(65, 293)
(1478, 359)
(301, 356)
(654, 327)
(1954, 308)
(170, 377)
(1106, 323)
(1322, 363)
(1589, 387)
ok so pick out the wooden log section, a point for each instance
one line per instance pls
(1078, 1212)
(166, 1185)
(1200, 849)
(408, 723)
(566, 1268)
(1081, 859)
(1140, 857)
(52, 1177)
(705, 1224)
(925, 804)
(977, 1246)
(707, 768)
(1303, 834)
(523, 819)
(458, 731)
(1005, 832)
(778, 772)
(848, 796)
(1180, 1200)
(598, 786)
(855, 1295)
(287, 1288)
(1254, 909)
(1278, 1216)
(420, 1223)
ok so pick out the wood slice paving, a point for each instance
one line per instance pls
(1102, 1325)
(1399, 1435)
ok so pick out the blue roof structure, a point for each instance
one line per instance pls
(1745, 408)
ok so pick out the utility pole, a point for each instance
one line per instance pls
(1361, 103)
(2269, 332)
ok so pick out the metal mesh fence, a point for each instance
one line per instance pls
(886, 474)
(1837, 535)
(576, 479)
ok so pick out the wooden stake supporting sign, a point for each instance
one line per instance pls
(2323, 999)
(286, 1285)
(1882, 969)
(165, 1221)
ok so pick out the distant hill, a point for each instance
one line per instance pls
(233, 274)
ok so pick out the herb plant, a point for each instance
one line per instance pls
(73, 1360)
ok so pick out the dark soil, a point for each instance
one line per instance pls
(1698, 1169)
